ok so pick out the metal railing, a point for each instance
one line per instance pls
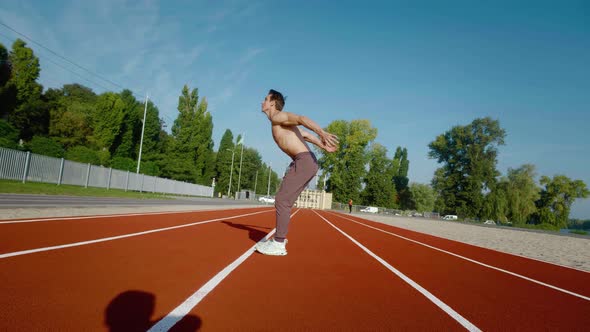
(382, 210)
(26, 166)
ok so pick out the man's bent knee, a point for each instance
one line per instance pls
(282, 203)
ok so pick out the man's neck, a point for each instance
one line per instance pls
(271, 113)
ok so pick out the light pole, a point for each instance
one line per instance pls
(142, 130)
(269, 170)
(231, 171)
(255, 183)
(241, 155)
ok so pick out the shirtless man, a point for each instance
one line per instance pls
(292, 140)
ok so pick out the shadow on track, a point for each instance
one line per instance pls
(132, 310)
(254, 232)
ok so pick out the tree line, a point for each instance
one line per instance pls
(469, 184)
(75, 123)
(105, 129)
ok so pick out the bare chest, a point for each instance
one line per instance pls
(278, 134)
(288, 137)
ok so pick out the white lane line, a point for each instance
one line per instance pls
(476, 262)
(473, 245)
(185, 307)
(446, 308)
(76, 244)
(103, 216)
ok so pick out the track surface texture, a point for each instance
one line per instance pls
(198, 271)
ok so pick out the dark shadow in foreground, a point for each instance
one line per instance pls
(132, 310)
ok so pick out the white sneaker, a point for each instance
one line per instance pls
(272, 247)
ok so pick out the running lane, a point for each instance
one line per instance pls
(490, 299)
(18, 235)
(125, 285)
(560, 276)
(325, 283)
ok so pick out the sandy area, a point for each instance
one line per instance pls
(566, 250)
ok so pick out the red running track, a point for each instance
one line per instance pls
(197, 271)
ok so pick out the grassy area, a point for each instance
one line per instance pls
(579, 232)
(17, 187)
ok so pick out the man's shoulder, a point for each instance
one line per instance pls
(280, 116)
(285, 116)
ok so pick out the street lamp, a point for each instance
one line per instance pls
(241, 142)
(142, 130)
(268, 188)
(231, 171)
(255, 182)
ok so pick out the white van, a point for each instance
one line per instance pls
(450, 217)
(370, 209)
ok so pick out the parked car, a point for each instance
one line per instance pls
(489, 222)
(370, 209)
(266, 199)
(450, 217)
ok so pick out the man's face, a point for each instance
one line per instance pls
(267, 104)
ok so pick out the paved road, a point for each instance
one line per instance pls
(8, 201)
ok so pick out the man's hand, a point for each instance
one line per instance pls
(326, 140)
(330, 141)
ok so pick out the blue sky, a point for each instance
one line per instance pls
(413, 69)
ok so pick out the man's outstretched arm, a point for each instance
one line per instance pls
(290, 119)
(311, 138)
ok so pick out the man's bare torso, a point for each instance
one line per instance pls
(289, 139)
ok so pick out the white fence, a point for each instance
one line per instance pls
(26, 166)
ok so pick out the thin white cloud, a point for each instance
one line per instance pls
(249, 55)
(28, 26)
(133, 45)
(230, 12)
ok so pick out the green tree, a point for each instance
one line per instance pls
(423, 196)
(556, 200)
(83, 154)
(71, 112)
(203, 143)
(7, 92)
(496, 204)
(26, 111)
(153, 142)
(191, 149)
(346, 167)
(262, 185)
(223, 162)
(379, 189)
(521, 193)
(46, 146)
(149, 168)
(401, 166)
(124, 164)
(251, 165)
(263, 188)
(5, 68)
(108, 120)
(126, 143)
(8, 135)
(469, 157)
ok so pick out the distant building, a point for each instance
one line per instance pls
(314, 199)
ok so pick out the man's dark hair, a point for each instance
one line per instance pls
(277, 97)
